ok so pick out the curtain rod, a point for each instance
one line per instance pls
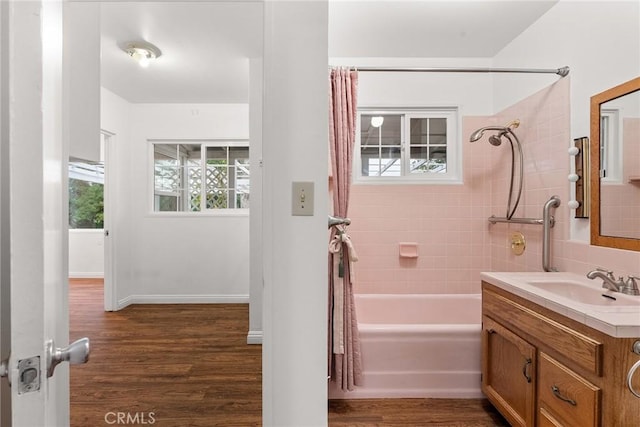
(563, 71)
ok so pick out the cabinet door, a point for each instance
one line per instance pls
(508, 373)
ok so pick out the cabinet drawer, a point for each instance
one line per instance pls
(584, 351)
(567, 395)
(545, 419)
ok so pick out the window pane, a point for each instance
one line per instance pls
(166, 168)
(391, 164)
(242, 181)
(381, 162)
(437, 126)
(217, 186)
(368, 155)
(194, 173)
(428, 145)
(227, 177)
(419, 131)
(217, 155)
(387, 133)
(437, 131)
(428, 160)
(166, 203)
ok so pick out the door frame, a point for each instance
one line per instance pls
(110, 294)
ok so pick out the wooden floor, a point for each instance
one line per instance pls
(189, 365)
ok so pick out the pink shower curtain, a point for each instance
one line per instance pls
(344, 347)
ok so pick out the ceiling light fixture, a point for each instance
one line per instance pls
(143, 52)
(376, 121)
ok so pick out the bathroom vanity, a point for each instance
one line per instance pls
(557, 350)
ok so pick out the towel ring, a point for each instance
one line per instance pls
(634, 368)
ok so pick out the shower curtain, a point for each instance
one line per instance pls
(344, 347)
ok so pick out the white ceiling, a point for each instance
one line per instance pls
(205, 46)
(428, 28)
(205, 50)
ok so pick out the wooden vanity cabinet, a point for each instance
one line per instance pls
(508, 374)
(540, 368)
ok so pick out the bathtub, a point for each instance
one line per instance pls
(418, 346)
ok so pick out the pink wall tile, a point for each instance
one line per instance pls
(449, 222)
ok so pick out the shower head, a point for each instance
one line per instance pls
(476, 135)
(496, 140)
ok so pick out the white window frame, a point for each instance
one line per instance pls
(613, 147)
(226, 142)
(454, 148)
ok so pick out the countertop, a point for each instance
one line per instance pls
(623, 322)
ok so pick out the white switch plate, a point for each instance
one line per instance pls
(302, 198)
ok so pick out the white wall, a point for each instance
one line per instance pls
(175, 258)
(295, 135)
(82, 78)
(598, 40)
(86, 253)
(183, 257)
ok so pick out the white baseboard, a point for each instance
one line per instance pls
(182, 299)
(92, 275)
(254, 337)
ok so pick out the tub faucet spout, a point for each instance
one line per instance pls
(608, 279)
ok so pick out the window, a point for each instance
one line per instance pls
(200, 177)
(408, 146)
(610, 146)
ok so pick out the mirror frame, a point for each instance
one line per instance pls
(596, 101)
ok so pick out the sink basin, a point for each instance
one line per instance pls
(585, 294)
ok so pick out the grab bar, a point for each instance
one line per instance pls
(335, 220)
(548, 222)
(536, 221)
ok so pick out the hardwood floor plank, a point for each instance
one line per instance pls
(190, 365)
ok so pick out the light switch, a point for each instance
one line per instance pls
(302, 198)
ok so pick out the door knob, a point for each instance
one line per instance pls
(76, 353)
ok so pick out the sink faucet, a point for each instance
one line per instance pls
(608, 279)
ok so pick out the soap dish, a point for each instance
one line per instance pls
(408, 250)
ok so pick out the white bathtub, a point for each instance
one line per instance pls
(418, 345)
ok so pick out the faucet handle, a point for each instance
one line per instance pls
(631, 286)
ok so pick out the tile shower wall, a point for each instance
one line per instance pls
(449, 222)
(545, 135)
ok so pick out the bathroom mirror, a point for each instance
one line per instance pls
(615, 167)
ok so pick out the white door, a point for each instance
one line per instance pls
(37, 247)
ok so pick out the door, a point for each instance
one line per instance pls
(34, 255)
(508, 373)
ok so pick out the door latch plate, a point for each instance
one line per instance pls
(29, 375)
